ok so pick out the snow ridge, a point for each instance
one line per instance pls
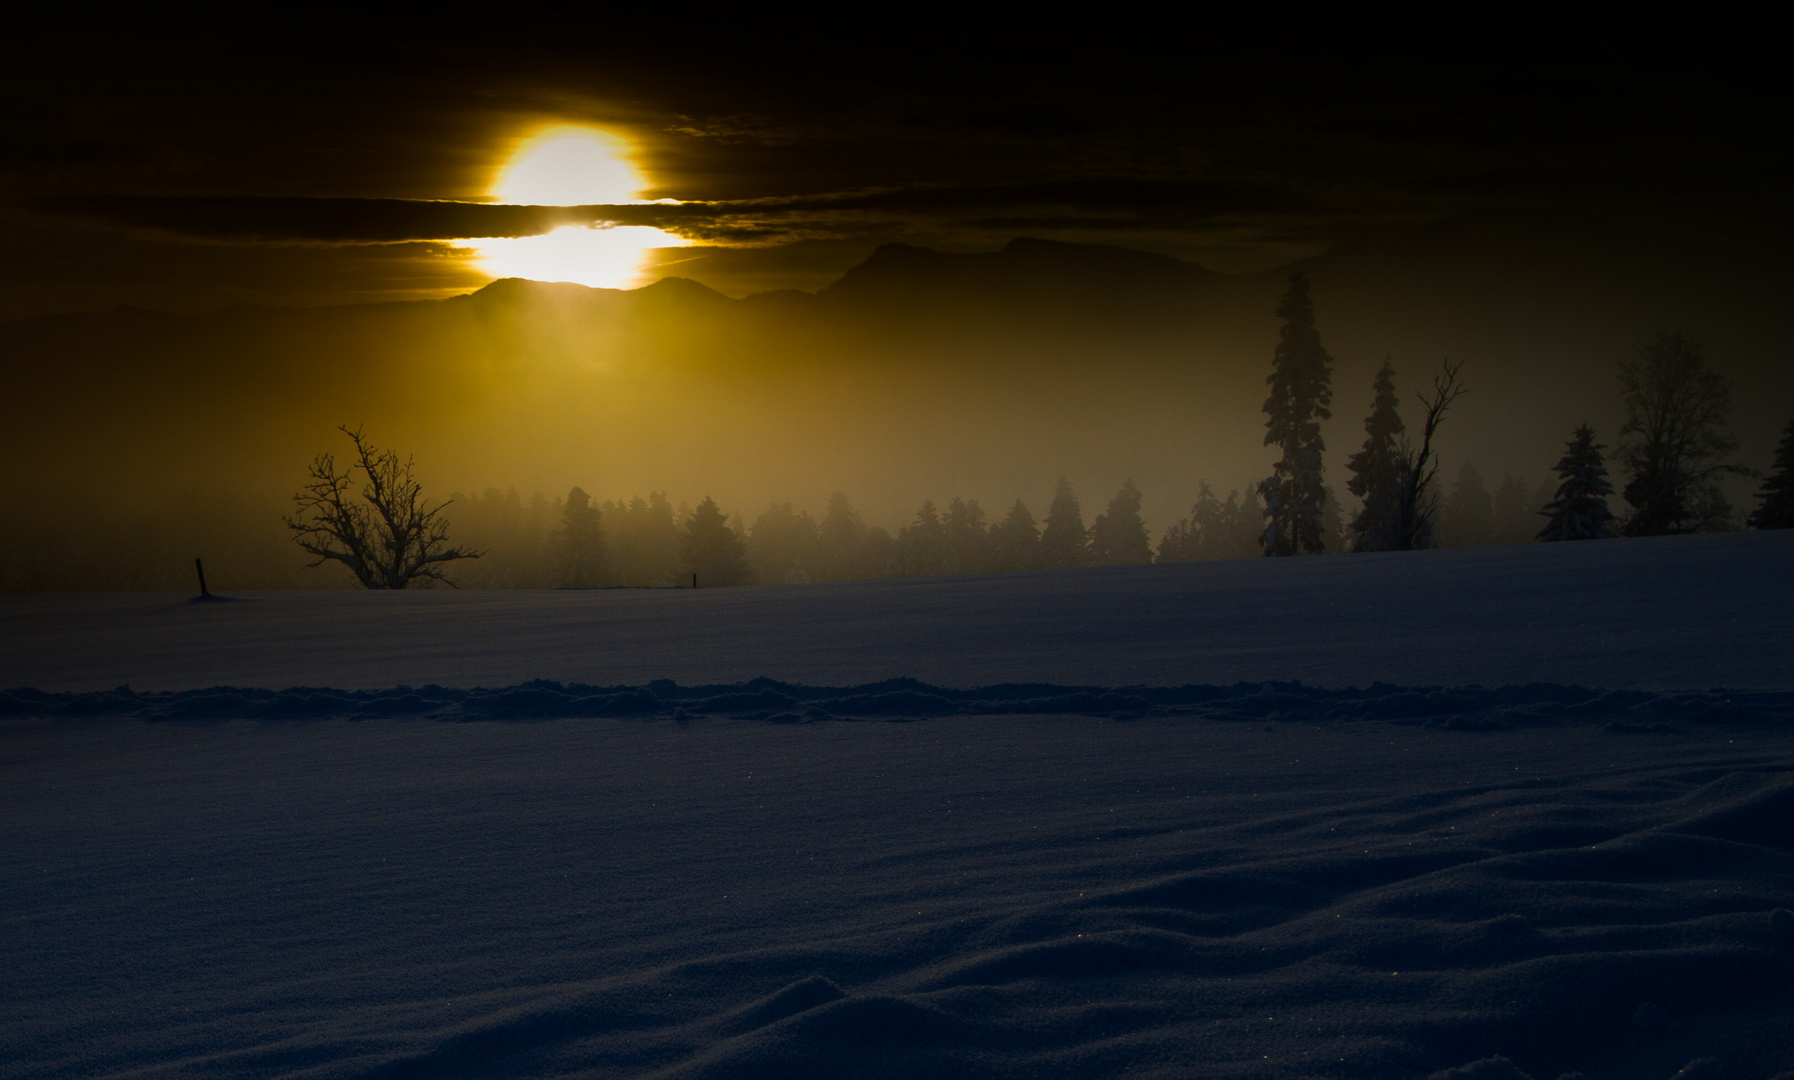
(1463, 707)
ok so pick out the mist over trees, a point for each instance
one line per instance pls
(1064, 543)
(1118, 536)
(581, 542)
(1215, 529)
(1015, 541)
(1675, 451)
(716, 554)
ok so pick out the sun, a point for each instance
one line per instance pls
(566, 165)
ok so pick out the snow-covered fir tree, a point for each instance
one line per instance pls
(1777, 508)
(1301, 389)
(1580, 510)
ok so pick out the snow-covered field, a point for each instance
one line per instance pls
(1133, 866)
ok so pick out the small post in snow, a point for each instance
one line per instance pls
(200, 567)
(694, 581)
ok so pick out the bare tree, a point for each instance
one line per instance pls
(1418, 506)
(393, 541)
(1676, 409)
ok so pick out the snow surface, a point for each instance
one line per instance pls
(1135, 867)
(1674, 613)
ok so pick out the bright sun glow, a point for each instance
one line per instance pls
(573, 166)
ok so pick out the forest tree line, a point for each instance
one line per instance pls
(1673, 452)
(576, 542)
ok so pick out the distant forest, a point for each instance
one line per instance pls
(646, 542)
(539, 541)
(1673, 455)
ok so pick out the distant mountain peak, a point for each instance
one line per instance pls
(1028, 264)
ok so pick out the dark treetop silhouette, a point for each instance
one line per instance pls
(1580, 510)
(395, 540)
(1377, 470)
(1301, 389)
(715, 554)
(1777, 508)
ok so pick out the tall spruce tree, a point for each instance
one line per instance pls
(1301, 389)
(1378, 470)
(1777, 508)
(1064, 543)
(1118, 537)
(1580, 510)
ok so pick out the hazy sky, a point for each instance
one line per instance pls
(187, 167)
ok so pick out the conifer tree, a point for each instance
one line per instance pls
(1301, 390)
(840, 538)
(581, 542)
(1178, 544)
(964, 547)
(1118, 537)
(1777, 508)
(1064, 543)
(711, 549)
(1580, 510)
(1208, 522)
(1184, 541)
(921, 546)
(645, 551)
(1242, 522)
(1015, 541)
(1378, 470)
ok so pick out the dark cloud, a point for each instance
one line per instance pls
(1124, 204)
(49, 153)
(955, 129)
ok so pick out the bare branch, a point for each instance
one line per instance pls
(394, 540)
